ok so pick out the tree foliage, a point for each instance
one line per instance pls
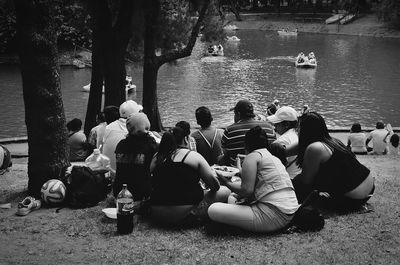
(389, 11)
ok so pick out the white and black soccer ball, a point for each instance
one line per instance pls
(53, 192)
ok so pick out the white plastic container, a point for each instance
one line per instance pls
(97, 161)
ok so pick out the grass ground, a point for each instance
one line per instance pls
(86, 236)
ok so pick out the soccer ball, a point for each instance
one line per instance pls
(53, 191)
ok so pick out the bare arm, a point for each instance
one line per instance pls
(249, 172)
(207, 174)
(315, 154)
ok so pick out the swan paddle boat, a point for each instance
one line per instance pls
(231, 27)
(286, 32)
(303, 61)
(215, 50)
(129, 86)
(232, 38)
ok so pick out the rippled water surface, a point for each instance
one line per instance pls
(357, 79)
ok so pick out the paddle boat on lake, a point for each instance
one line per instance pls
(286, 32)
(303, 61)
(231, 27)
(232, 38)
(215, 50)
(129, 86)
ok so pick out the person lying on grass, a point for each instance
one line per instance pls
(265, 200)
(329, 167)
(177, 193)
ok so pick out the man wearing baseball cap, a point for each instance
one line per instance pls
(285, 122)
(116, 131)
(233, 139)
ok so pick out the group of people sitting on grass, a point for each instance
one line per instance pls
(384, 140)
(286, 162)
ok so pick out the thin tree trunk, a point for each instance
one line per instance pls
(150, 65)
(101, 28)
(44, 111)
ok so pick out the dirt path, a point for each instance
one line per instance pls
(86, 236)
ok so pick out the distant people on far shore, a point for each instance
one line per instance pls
(356, 140)
(208, 138)
(78, 147)
(378, 138)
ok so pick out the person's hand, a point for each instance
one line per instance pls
(223, 180)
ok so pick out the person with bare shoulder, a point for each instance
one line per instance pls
(176, 191)
(329, 167)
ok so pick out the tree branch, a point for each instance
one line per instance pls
(187, 51)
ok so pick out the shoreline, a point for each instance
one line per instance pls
(366, 25)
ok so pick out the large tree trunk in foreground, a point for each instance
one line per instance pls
(44, 111)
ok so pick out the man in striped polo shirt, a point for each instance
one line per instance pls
(233, 138)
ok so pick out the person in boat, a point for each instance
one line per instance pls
(342, 183)
(301, 58)
(265, 200)
(176, 191)
(212, 49)
(208, 138)
(311, 56)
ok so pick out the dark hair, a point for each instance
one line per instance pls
(169, 143)
(356, 127)
(255, 138)
(74, 125)
(380, 125)
(394, 140)
(313, 129)
(111, 113)
(271, 109)
(185, 127)
(203, 116)
(100, 117)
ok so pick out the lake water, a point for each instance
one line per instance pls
(357, 79)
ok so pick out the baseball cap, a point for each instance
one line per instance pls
(138, 123)
(129, 107)
(244, 107)
(284, 113)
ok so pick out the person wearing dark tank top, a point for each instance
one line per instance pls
(329, 167)
(176, 191)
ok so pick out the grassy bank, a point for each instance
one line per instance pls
(86, 236)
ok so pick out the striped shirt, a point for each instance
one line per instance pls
(233, 138)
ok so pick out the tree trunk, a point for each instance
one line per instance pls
(44, 111)
(101, 29)
(150, 65)
(108, 58)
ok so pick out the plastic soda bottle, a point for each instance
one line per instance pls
(97, 161)
(125, 208)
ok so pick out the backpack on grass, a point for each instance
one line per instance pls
(85, 188)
